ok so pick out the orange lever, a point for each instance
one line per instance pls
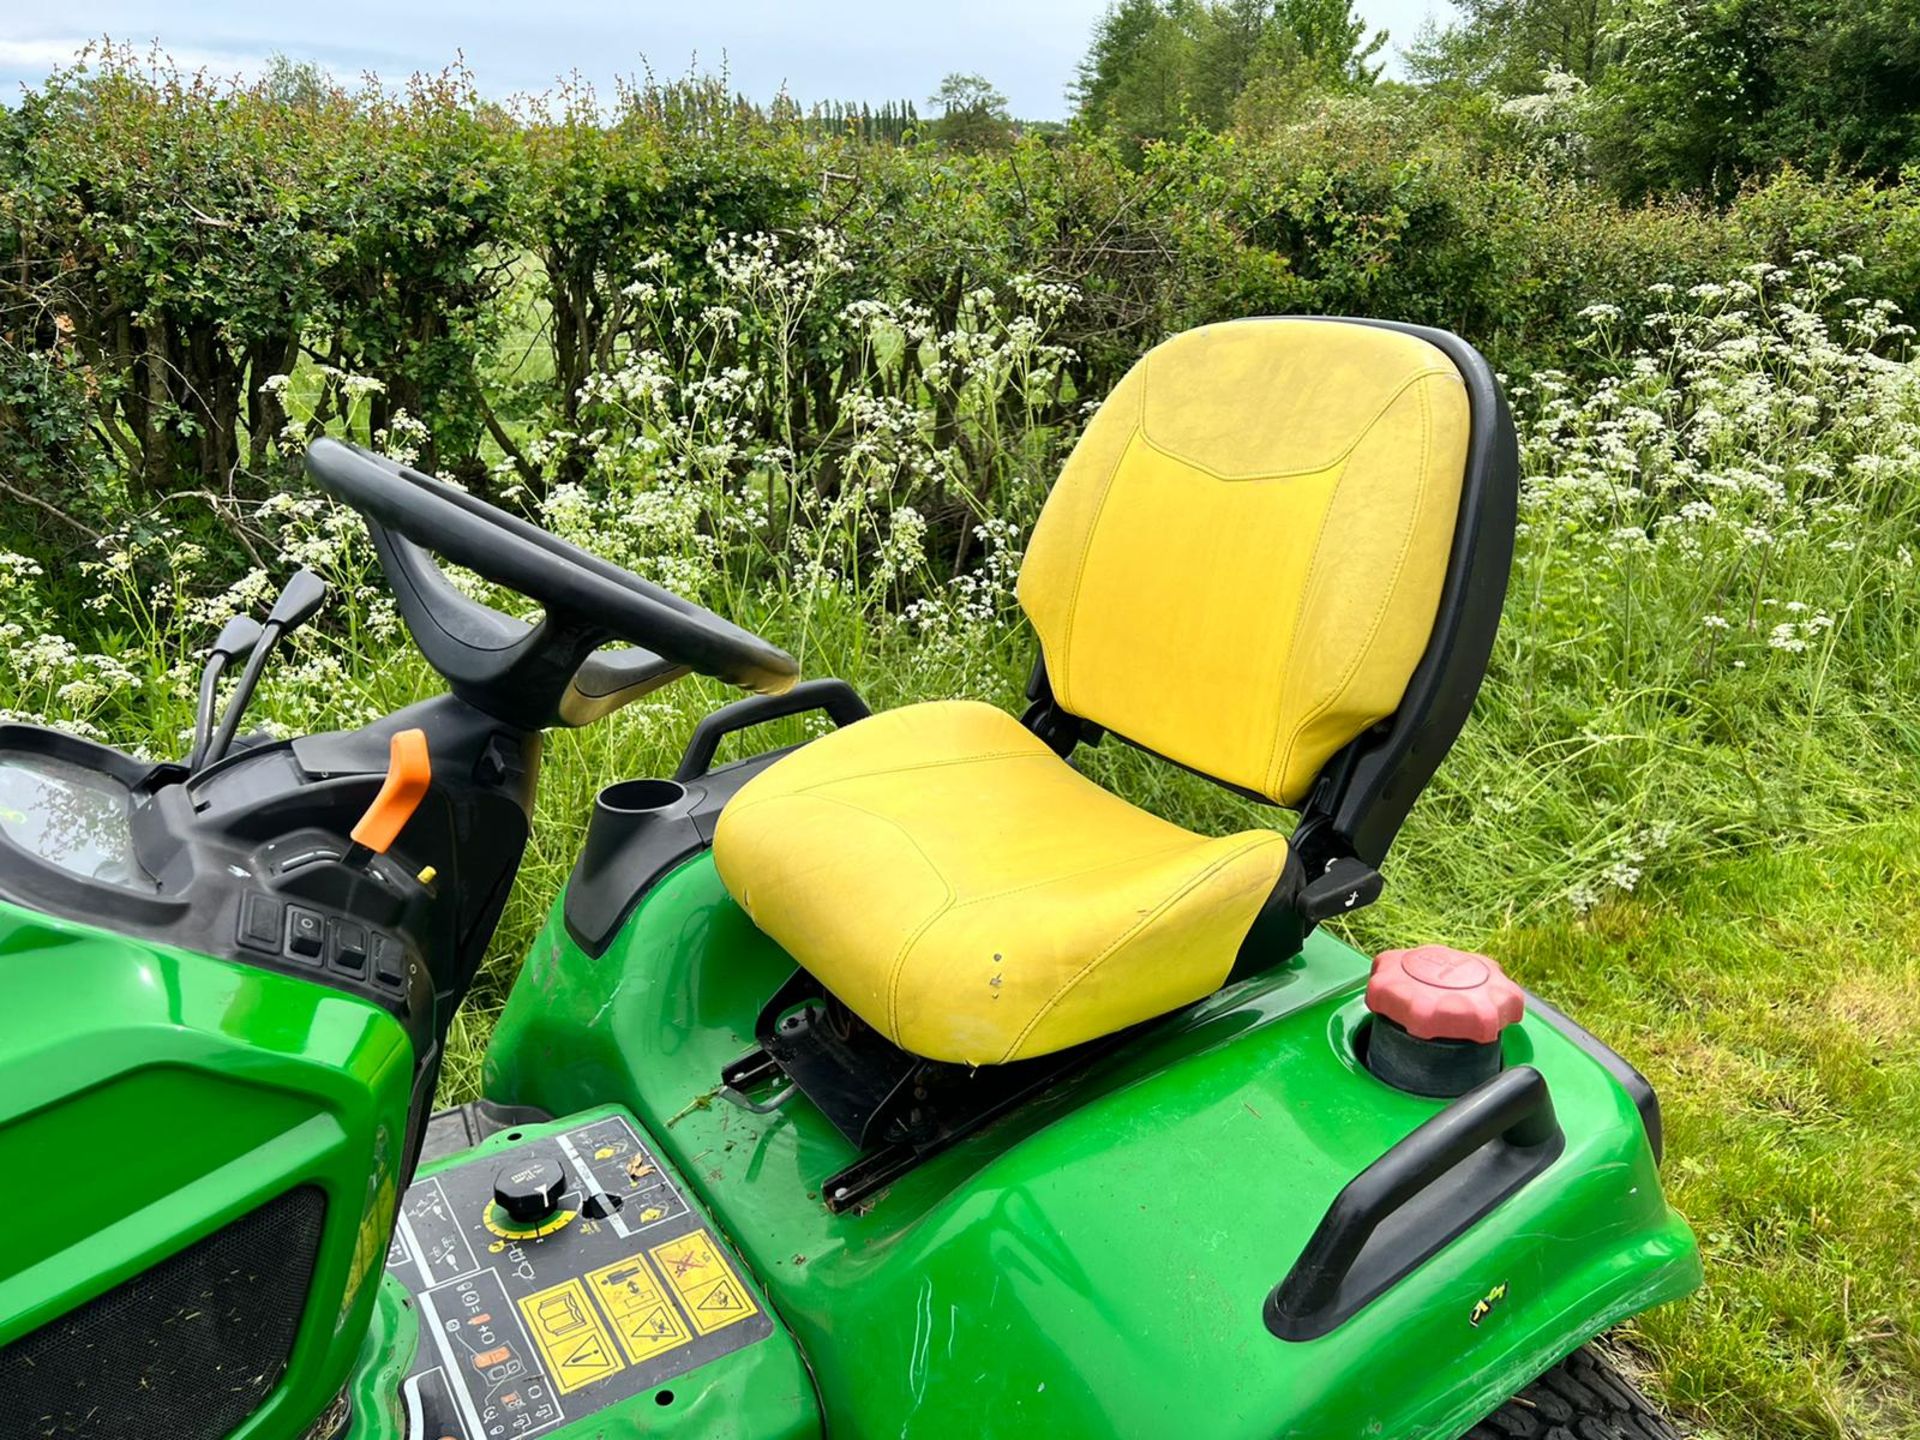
(409, 773)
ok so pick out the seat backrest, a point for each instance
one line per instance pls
(1242, 563)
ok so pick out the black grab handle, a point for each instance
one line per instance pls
(838, 699)
(1486, 1145)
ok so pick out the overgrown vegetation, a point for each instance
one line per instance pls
(817, 370)
(172, 247)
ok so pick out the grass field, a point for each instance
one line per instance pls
(1774, 1001)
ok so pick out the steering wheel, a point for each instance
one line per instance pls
(555, 672)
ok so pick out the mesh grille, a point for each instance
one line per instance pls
(186, 1350)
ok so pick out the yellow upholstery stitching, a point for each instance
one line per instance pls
(1276, 773)
(906, 945)
(1414, 379)
(984, 758)
(739, 806)
(1386, 595)
(900, 964)
(1058, 683)
(1129, 933)
(1287, 681)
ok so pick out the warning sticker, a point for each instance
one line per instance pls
(620, 1165)
(642, 1314)
(703, 1280)
(578, 1349)
(564, 1319)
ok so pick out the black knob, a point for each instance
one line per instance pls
(530, 1191)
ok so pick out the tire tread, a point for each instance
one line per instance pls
(1582, 1398)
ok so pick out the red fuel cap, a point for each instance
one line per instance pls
(1436, 993)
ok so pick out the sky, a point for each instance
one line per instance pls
(870, 50)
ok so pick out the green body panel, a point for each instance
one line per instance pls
(760, 1392)
(1096, 1264)
(167, 1094)
(375, 1405)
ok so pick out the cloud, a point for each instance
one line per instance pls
(38, 56)
(817, 49)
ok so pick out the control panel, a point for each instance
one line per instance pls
(555, 1278)
(308, 937)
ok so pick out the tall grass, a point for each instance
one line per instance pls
(1710, 639)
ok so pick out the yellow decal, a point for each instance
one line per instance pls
(496, 1221)
(1484, 1307)
(369, 1246)
(647, 1322)
(578, 1349)
(703, 1280)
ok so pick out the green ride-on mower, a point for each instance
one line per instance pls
(902, 1082)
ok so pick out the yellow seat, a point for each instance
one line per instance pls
(976, 898)
(1239, 569)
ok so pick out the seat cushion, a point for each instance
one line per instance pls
(975, 898)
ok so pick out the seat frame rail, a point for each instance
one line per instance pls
(898, 1110)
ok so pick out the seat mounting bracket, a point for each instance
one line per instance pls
(897, 1110)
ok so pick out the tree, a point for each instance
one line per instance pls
(296, 84)
(1153, 98)
(1229, 41)
(1156, 67)
(1512, 45)
(1121, 40)
(973, 115)
(1332, 41)
(1709, 92)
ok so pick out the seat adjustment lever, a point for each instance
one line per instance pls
(1346, 884)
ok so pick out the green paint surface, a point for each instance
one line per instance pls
(1096, 1264)
(159, 1095)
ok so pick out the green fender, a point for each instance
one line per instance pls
(1096, 1264)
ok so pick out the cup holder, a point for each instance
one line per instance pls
(639, 797)
(640, 829)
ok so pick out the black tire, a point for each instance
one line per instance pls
(1581, 1398)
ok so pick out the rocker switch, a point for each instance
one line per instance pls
(350, 947)
(260, 923)
(306, 934)
(389, 961)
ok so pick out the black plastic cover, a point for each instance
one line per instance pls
(641, 829)
(1639, 1089)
